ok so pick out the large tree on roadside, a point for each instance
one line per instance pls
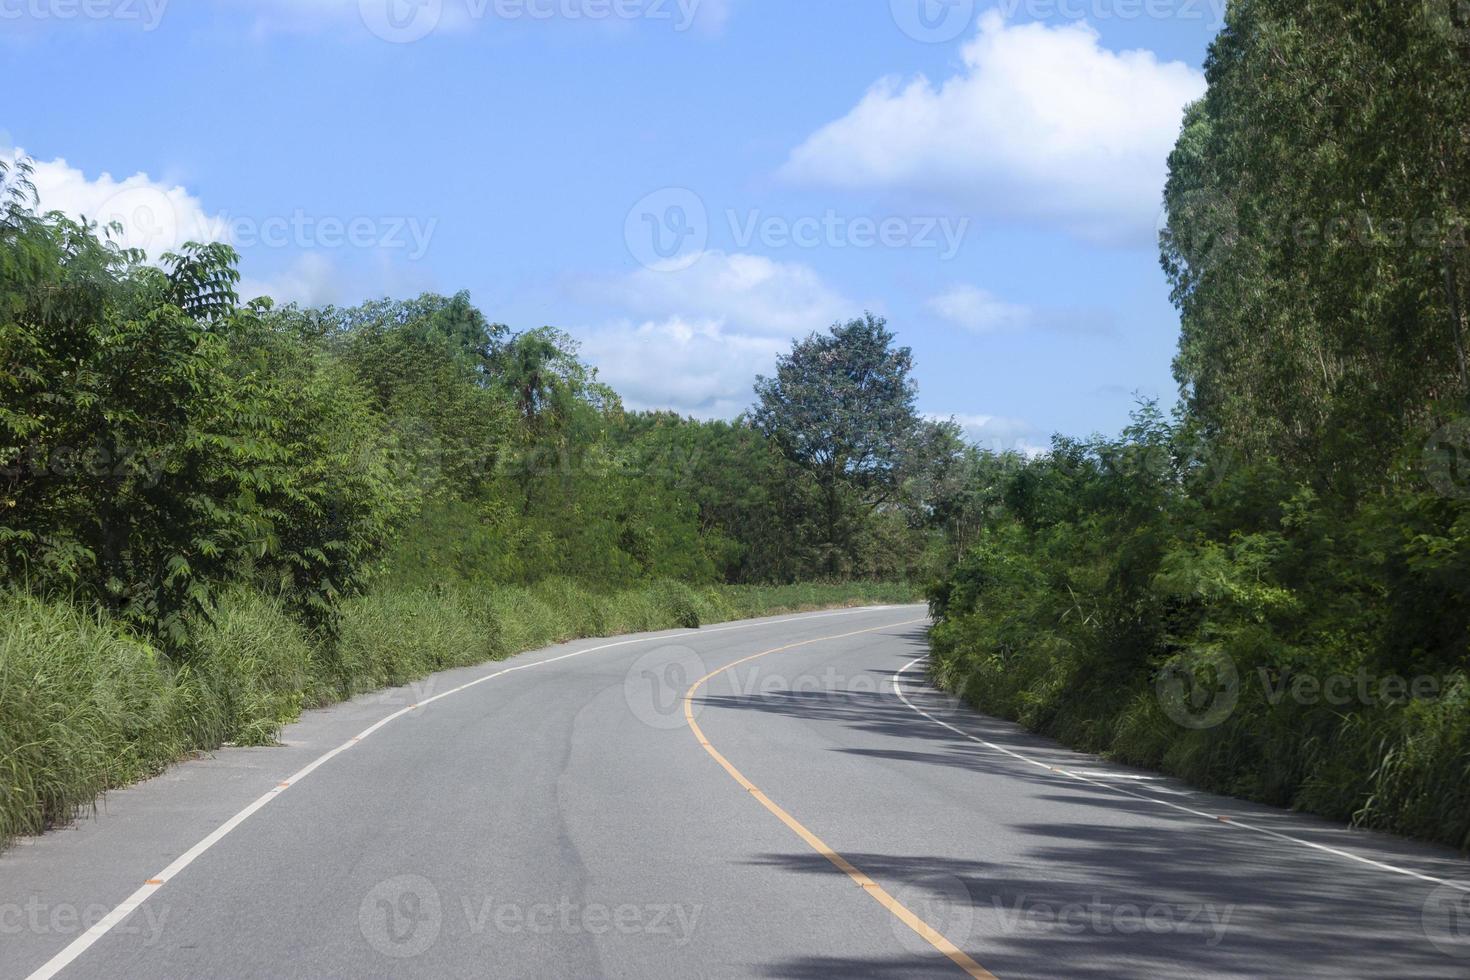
(841, 404)
(1318, 203)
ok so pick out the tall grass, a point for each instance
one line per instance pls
(1402, 767)
(86, 706)
(83, 706)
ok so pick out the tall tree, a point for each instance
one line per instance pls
(1317, 233)
(841, 404)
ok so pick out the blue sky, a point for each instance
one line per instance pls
(986, 175)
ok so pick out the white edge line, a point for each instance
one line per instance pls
(1218, 820)
(130, 904)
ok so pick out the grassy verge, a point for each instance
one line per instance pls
(1401, 767)
(86, 707)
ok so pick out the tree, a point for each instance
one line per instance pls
(754, 506)
(129, 453)
(334, 493)
(1316, 240)
(841, 405)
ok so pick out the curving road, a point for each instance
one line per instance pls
(778, 798)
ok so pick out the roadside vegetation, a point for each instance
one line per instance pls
(89, 704)
(216, 514)
(1267, 592)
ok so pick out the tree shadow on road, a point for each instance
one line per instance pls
(1110, 885)
(1109, 902)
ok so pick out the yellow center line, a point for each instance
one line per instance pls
(871, 887)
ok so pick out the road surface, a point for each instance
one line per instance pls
(779, 798)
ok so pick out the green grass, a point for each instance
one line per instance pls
(85, 706)
(82, 707)
(1398, 767)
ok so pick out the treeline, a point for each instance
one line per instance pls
(158, 440)
(1268, 591)
(213, 513)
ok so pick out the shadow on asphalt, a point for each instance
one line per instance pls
(827, 967)
(1132, 907)
(1125, 887)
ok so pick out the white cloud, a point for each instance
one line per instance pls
(699, 368)
(978, 310)
(696, 339)
(156, 216)
(159, 216)
(751, 292)
(1042, 122)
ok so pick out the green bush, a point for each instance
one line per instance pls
(1108, 567)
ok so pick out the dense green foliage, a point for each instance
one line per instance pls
(1269, 593)
(159, 441)
(212, 514)
(841, 407)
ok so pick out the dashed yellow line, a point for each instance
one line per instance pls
(874, 890)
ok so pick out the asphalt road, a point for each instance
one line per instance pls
(822, 816)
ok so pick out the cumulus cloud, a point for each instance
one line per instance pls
(695, 339)
(159, 216)
(751, 292)
(1042, 122)
(156, 216)
(699, 368)
(979, 310)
